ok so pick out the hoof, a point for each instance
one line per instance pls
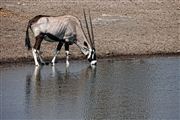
(37, 65)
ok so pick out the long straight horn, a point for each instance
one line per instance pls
(92, 33)
(90, 39)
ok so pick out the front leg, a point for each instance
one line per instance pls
(60, 44)
(54, 58)
(67, 58)
(67, 53)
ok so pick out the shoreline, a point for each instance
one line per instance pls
(122, 56)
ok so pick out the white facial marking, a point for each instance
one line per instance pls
(93, 62)
(89, 53)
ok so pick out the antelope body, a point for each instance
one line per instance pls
(66, 30)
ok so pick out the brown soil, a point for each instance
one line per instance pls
(122, 27)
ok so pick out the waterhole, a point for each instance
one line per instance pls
(135, 88)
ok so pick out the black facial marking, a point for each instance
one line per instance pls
(85, 44)
(93, 56)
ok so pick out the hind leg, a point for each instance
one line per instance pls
(41, 60)
(34, 52)
(36, 48)
(59, 46)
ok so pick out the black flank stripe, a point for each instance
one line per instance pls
(54, 37)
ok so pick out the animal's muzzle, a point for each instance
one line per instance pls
(94, 62)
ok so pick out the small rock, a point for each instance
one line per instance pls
(19, 3)
(107, 53)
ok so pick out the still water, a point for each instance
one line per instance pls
(134, 88)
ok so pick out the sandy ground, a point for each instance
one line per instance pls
(122, 27)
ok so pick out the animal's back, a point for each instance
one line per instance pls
(59, 26)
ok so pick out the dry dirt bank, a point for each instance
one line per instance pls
(122, 27)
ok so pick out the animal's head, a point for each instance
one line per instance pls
(91, 55)
(91, 51)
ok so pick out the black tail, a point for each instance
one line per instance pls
(27, 39)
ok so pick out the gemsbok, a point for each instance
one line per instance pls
(66, 30)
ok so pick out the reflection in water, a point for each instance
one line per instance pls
(56, 91)
(138, 89)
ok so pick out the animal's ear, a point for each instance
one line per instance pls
(85, 44)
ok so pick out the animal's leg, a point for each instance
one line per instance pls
(60, 44)
(36, 48)
(67, 53)
(38, 54)
(40, 57)
(34, 52)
